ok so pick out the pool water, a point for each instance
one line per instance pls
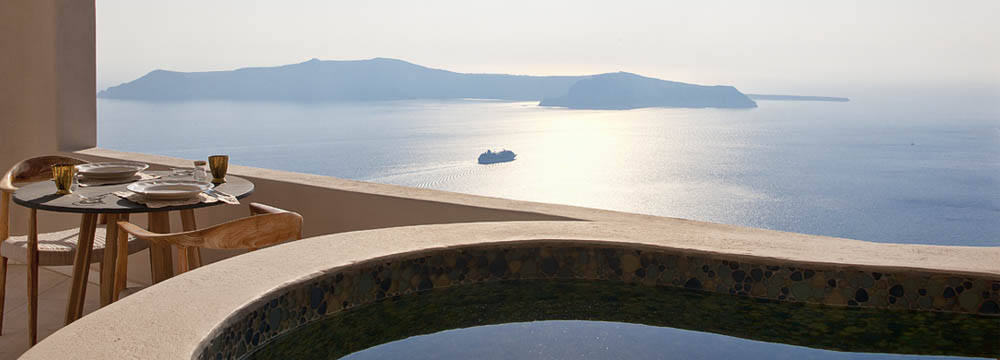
(583, 319)
(575, 339)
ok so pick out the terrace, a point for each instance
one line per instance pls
(47, 104)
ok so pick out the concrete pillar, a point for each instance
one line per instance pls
(47, 78)
(48, 84)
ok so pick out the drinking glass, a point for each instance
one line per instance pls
(85, 199)
(182, 172)
(200, 173)
(219, 165)
(63, 175)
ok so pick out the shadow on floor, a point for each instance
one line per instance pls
(53, 290)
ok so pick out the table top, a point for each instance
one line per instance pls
(42, 196)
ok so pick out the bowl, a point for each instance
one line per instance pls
(110, 170)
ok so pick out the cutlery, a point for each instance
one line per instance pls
(212, 193)
(224, 197)
(216, 192)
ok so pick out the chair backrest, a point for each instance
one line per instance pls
(34, 170)
(26, 171)
(271, 227)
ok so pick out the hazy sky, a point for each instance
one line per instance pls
(766, 46)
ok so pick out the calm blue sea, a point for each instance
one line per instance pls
(915, 168)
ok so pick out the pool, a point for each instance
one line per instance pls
(635, 321)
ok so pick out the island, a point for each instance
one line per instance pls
(391, 79)
(623, 91)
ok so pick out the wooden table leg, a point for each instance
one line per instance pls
(160, 256)
(4, 230)
(81, 268)
(189, 224)
(121, 261)
(108, 263)
(3, 288)
(33, 277)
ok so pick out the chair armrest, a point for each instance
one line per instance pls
(260, 209)
(6, 183)
(187, 238)
(137, 231)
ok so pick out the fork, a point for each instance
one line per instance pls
(216, 193)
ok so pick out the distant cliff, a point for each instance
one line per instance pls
(391, 79)
(620, 91)
(315, 80)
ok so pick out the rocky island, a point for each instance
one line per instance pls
(622, 91)
(391, 79)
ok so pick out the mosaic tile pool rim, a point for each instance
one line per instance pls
(854, 330)
(347, 287)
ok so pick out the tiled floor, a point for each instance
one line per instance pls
(53, 290)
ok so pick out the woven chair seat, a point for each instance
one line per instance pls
(59, 248)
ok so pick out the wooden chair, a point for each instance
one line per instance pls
(46, 249)
(266, 226)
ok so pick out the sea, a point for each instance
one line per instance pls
(916, 167)
(893, 167)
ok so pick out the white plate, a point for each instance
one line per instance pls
(110, 170)
(168, 189)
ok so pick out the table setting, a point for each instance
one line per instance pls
(117, 189)
(179, 186)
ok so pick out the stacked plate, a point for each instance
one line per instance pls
(168, 189)
(110, 170)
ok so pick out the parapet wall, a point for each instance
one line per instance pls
(330, 205)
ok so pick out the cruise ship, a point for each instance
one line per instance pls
(490, 157)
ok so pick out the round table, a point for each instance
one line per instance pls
(42, 196)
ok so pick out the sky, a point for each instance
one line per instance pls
(781, 46)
